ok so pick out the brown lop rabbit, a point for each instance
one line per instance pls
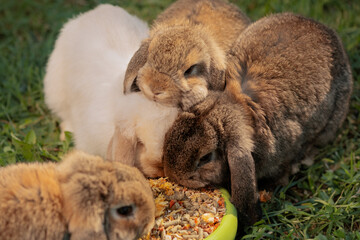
(185, 53)
(288, 88)
(83, 197)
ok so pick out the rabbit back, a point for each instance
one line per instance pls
(224, 20)
(31, 202)
(299, 74)
(85, 73)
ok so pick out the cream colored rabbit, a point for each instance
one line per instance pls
(185, 53)
(288, 86)
(139, 134)
(84, 88)
(82, 197)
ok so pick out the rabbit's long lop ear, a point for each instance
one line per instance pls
(122, 148)
(243, 183)
(79, 175)
(136, 63)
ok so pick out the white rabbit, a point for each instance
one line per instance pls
(84, 86)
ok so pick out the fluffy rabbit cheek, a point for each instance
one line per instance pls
(197, 93)
(132, 212)
(126, 222)
(128, 228)
(123, 216)
(209, 171)
(157, 87)
(149, 163)
(213, 168)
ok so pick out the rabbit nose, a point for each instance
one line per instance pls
(158, 93)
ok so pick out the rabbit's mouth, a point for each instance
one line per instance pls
(193, 182)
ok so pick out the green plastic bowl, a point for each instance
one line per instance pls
(228, 225)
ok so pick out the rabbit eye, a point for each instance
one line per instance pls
(206, 159)
(122, 211)
(134, 87)
(125, 211)
(194, 70)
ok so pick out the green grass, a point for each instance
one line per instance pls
(321, 202)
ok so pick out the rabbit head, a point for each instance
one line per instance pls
(176, 67)
(212, 146)
(184, 56)
(104, 200)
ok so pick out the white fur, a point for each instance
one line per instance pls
(84, 82)
(145, 122)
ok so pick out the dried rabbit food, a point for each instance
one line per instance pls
(183, 213)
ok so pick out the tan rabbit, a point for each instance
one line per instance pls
(288, 89)
(83, 197)
(185, 53)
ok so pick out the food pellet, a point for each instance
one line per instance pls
(183, 213)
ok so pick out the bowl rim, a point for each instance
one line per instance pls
(229, 223)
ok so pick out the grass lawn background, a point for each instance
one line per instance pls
(321, 202)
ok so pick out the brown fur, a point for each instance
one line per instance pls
(188, 33)
(79, 195)
(288, 89)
